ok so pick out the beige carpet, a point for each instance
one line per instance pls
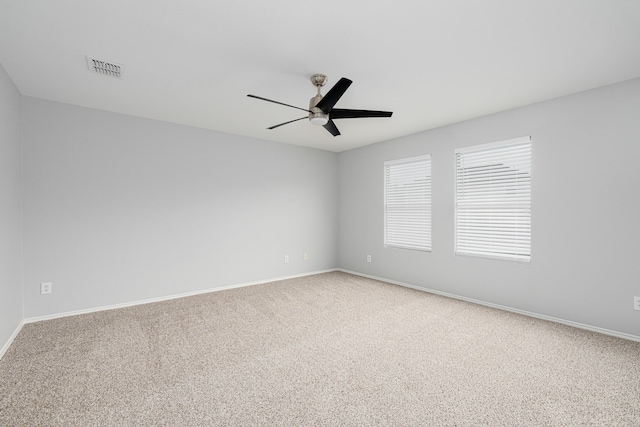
(332, 349)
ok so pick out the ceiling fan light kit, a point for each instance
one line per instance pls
(321, 111)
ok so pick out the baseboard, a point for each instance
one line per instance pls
(502, 307)
(259, 282)
(166, 298)
(13, 336)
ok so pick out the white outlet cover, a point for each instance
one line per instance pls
(46, 288)
(636, 303)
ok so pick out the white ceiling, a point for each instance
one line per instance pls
(431, 62)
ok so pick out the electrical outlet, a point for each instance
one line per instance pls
(636, 303)
(286, 259)
(368, 258)
(305, 257)
(46, 288)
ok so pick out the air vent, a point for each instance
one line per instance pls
(106, 68)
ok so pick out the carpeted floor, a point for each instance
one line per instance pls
(331, 349)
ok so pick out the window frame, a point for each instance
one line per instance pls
(409, 244)
(516, 240)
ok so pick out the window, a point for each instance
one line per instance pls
(493, 200)
(407, 203)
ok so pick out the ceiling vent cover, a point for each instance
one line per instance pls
(106, 68)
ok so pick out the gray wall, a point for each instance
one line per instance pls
(584, 267)
(120, 209)
(10, 209)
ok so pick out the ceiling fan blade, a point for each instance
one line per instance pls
(286, 123)
(340, 113)
(276, 102)
(331, 127)
(326, 104)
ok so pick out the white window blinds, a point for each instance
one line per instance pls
(493, 200)
(407, 203)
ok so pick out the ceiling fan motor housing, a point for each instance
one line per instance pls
(317, 116)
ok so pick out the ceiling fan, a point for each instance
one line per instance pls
(321, 111)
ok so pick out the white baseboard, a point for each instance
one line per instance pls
(165, 298)
(241, 285)
(13, 336)
(502, 307)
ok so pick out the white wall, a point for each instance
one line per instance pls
(120, 209)
(586, 200)
(10, 210)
